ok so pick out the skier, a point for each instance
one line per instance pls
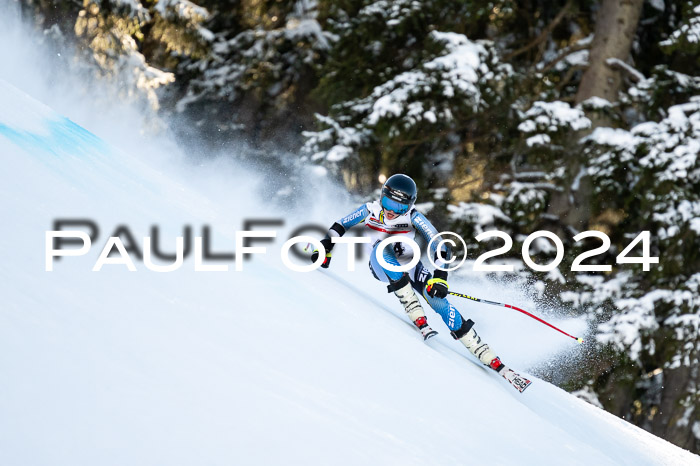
(394, 214)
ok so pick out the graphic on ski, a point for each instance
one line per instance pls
(516, 380)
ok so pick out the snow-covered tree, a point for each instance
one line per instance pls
(419, 86)
(258, 73)
(131, 43)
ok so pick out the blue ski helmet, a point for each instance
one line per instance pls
(399, 193)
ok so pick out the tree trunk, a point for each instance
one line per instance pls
(615, 27)
(675, 421)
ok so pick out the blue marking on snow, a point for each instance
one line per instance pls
(62, 138)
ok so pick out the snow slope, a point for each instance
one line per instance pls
(263, 366)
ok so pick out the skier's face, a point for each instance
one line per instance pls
(390, 214)
(393, 208)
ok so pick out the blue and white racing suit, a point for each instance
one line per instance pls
(377, 227)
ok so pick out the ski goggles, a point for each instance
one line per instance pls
(394, 206)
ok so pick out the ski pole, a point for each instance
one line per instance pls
(494, 303)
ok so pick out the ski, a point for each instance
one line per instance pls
(428, 333)
(516, 380)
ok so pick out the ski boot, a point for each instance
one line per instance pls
(425, 330)
(404, 291)
(469, 338)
